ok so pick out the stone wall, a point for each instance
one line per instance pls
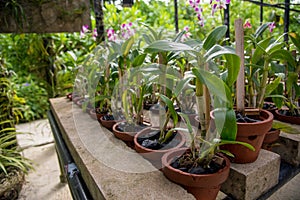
(45, 16)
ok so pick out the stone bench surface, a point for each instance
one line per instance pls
(110, 169)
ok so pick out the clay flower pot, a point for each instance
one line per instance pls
(251, 133)
(202, 186)
(280, 115)
(108, 123)
(271, 136)
(154, 156)
(125, 136)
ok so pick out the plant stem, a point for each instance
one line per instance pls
(263, 84)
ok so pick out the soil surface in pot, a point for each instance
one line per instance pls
(288, 113)
(186, 164)
(269, 106)
(151, 140)
(246, 119)
(111, 117)
(126, 127)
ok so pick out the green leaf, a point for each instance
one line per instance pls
(215, 85)
(295, 39)
(138, 60)
(260, 50)
(187, 120)
(261, 29)
(166, 46)
(272, 86)
(181, 85)
(249, 146)
(282, 54)
(225, 122)
(126, 46)
(214, 37)
(171, 108)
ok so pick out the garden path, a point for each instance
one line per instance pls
(43, 183)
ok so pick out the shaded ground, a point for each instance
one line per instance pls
(43, 183)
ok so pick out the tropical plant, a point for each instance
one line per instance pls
(10, 153)
(261, 54)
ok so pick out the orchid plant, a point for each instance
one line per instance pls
(261, 53)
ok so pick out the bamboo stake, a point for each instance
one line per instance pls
(240, 83)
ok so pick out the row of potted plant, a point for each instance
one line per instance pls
(173, 76)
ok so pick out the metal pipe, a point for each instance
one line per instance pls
(77, 186)
(286, 20)
(261, 12)
(176, 15)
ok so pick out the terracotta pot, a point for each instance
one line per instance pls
(271, 136)
(154, 156)
(270, 139)
(284, 118)
(251, 133)
(69, 96)
(93, 114)
(127, 137)
(202, 186)
(76, 99)
(270, 106)
(108, 123)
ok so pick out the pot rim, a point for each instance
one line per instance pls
(180, 134)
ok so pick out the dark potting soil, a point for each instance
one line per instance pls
(126, 127)
(151, 141)
(108, 117)
(246, 119)
(184, 164)
(288, 113)
(269, 106)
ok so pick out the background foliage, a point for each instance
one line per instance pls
(46, 64)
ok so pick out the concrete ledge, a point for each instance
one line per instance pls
(249, 181)
(110, 169)
(288, 147)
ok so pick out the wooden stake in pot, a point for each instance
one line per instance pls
(240, 83)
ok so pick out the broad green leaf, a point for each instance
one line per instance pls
(214, 37)
(126, 46)
(148, 39)
(233, 68)
(278, 100)
(171, 108)
(284, 55)
(179, 36)
(260, 50)
(261, 29)
(295, 39)
(165, 46)
(138, 60)
(181, 85)
(292, 79)
(272, 86)
(225, 122)
(214, 84)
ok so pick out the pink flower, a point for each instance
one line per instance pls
(272, 26)
(186, 35)
(84, 30)
(111, 35)
(127, 31)
(247, 24)
(213, 9)
(95, 34)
